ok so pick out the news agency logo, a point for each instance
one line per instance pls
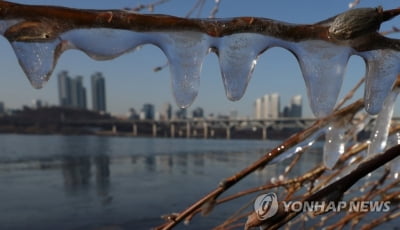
(266, 205)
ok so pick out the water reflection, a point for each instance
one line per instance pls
(93, 181)
(102, 163)
(80, 162)
(76, 172)
(199, 163)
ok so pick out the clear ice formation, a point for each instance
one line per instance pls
(185, 53)
(37, 60)
(237, 57)
(383, 67)
(322, 63)
(305, 144)
(334, 146)
(379, 134)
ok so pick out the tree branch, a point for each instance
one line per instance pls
(356, 28)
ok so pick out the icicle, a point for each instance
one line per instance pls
(363, 119)
(185, 52)
(383, 66)
(380, 132)
(323, 65)
(395, 163)
(334, 145)
(37, 59)
(308, 142)
(237, 57)
(109, 43)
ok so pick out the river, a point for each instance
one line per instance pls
(98, 182)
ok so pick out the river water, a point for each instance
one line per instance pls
(98, 182)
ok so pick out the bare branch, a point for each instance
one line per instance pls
(355, 28)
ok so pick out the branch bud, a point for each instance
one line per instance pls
(356, 22)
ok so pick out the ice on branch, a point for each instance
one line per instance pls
(380, 132)
(39, 35)
(335, 143)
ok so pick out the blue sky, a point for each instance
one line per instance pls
(130, 81)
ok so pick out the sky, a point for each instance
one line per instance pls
(131, 82)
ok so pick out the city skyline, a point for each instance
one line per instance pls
(131, 81)
(269, 107)
(72, 92)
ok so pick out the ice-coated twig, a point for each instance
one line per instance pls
(332, 192)
(290, 142)
(356, 28)
(350, 94)
(40, 34)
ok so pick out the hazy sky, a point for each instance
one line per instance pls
(130, 81)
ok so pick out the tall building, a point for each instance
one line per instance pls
(258, 114)
(98, 92)
(78, 93)
(270, 106)
(267, 107)
(64, 89)
(296, 106)
(71, 91)
(147, 112)
(166, 112)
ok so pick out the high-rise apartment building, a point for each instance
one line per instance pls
(296, 106)
(267, 107)
(71, 91)
(258, 108)
(98, 92)
(271, 106)
(147, 112)
(78, 95)
(166, 112)
(64, 89)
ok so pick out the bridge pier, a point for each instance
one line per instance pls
(134, 130)
(264, 132)
(154, 129)
(188, 129)
(228, 132)
(205, 130)
(114, 129)
(172, 130)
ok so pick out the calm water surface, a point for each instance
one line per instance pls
(88, 182)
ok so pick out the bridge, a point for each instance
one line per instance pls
(197, 127)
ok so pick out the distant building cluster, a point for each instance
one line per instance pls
(148, 112)
(269, 107)
(72, 92)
